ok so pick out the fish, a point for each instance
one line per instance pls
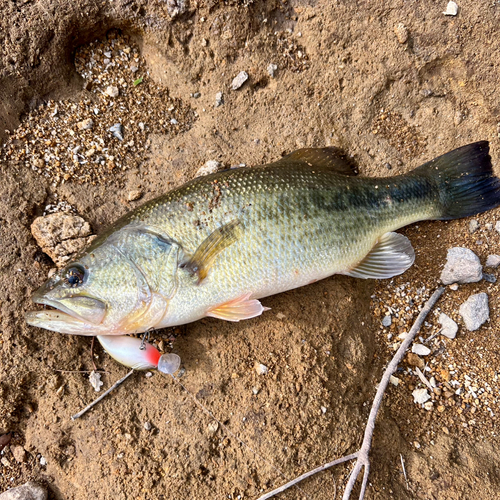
(218, 244)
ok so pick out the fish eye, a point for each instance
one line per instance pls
(74, 276)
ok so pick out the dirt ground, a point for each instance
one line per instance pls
(395, 84)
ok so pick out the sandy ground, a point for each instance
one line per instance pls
(347, 75)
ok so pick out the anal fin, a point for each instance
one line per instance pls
(237, 309)
(392, 255)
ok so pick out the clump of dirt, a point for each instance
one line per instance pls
(76, 79)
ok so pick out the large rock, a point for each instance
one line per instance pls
(475, 311)
(28, 491)
(61, 236)
(462, 266)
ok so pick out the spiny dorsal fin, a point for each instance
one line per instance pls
(392, 255)
(237, 309)
(330, 158)
(205, 255)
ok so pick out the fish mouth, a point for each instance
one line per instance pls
(74, 315)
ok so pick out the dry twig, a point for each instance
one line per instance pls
(104, 394)
(362, 456)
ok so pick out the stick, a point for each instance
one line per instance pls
(102, 396)
(362, 456)
(308, 474)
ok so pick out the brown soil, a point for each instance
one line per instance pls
(344, 78)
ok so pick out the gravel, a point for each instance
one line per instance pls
(387, 321)
(475, 311)
(462, 266)
(59, 134)
(28, 491)
(449, 327)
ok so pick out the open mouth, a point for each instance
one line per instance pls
(82, 318)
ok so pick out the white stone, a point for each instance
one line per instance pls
(210, 167)
(271, 69)
(28, 491)
(451, 9)
(449, 327)
(493, 261)
(261, 369)
(420, 349)
(462, 266)
(475, 311)
(420, 396)
(239, 80)
(387, 321)
(112, 91)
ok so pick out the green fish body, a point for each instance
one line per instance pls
(216, 245)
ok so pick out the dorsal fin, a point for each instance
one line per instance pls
(330, 158)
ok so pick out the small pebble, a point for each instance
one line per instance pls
(219, 99)
(394, 380)
(475, 311)
(454, 287)
(449, 327)
(473, 226)
(451, 9)
(112, 91)
(490, 278)
(133, 195)
(239, 80)
(173, 121)
(462, 266)
(401, 32)
(213, 427)
(497, 227)
(323, 410)
(271, 69)
(493, 261)
(414, 360)
(420, 350)
(420, 396)
(86, 124)
(117, 131)
(43, 461)
(387, 321)
(255, 391)
(147, 426)
(260, 368)
(210, 167)
(488, 226)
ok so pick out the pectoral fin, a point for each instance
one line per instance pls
(205, 255)
(392, 255)
(237, 309)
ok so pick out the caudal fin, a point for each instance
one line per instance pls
(465, 179)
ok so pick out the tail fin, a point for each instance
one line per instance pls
(465, 179)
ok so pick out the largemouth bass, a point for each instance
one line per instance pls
(219, 243)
